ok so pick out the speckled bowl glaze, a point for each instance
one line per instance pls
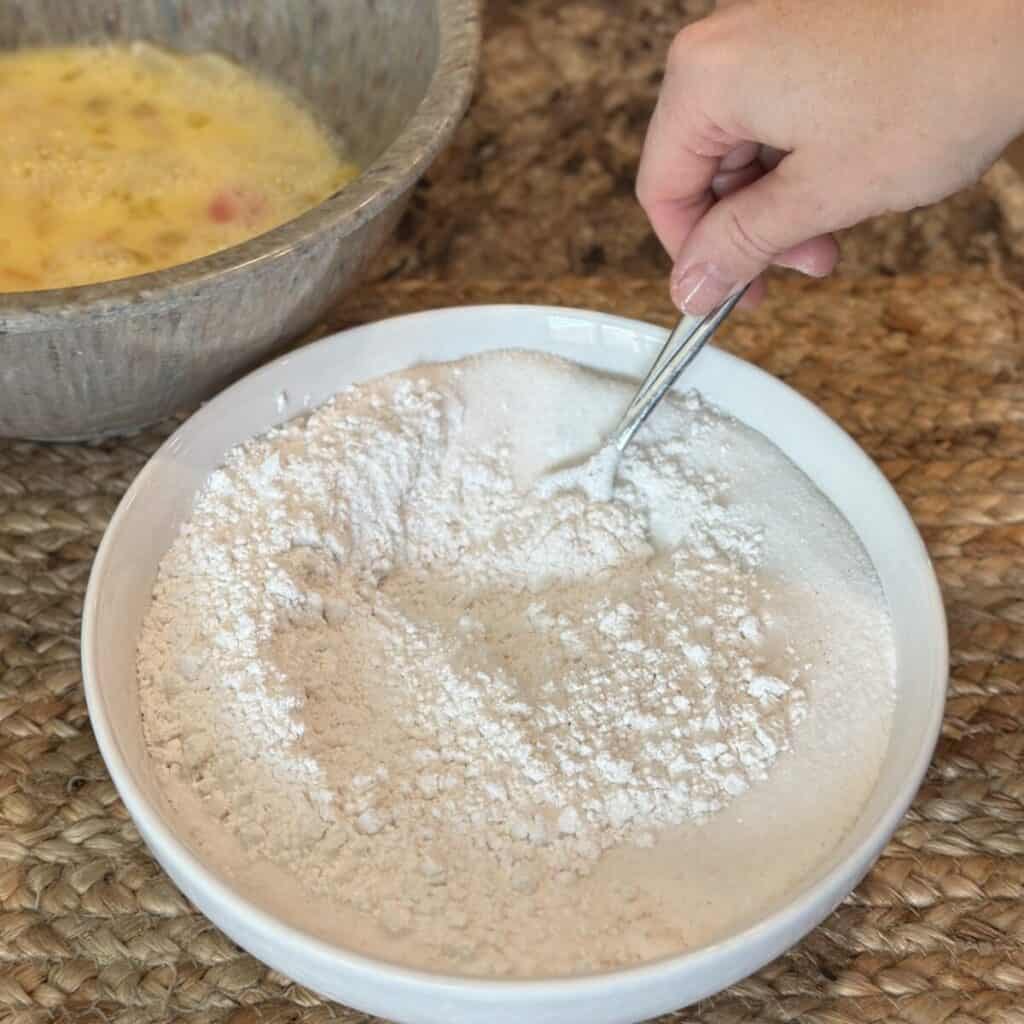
(392, 77)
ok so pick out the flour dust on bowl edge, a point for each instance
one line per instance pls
(150, 514)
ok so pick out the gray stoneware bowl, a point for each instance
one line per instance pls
(393, 77)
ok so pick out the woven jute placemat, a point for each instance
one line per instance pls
(927, 373)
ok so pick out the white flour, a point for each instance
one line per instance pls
(463, 709)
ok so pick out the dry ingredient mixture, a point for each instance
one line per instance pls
(507, 729)
(126, 158)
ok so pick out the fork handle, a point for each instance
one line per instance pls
(681, 347)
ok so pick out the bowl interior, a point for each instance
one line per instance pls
(362, 65)
(161, 497)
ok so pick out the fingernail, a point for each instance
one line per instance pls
(803, 263)
(700, 288)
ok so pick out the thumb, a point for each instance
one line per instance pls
(779, 218)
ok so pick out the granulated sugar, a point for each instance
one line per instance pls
(455, 716)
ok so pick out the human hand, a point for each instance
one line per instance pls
(781, 121)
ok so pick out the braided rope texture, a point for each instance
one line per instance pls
(927, 373)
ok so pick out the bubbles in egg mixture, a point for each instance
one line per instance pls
(119, 160)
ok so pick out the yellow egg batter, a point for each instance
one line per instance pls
(118, 160)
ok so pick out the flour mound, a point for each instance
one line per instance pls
(429, 689)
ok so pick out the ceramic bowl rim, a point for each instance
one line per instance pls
(424, 134)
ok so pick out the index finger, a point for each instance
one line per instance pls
(682, 154)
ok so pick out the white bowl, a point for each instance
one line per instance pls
(161, 497)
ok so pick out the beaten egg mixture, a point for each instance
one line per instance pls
(118, 160)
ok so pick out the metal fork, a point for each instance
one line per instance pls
(681, 347)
